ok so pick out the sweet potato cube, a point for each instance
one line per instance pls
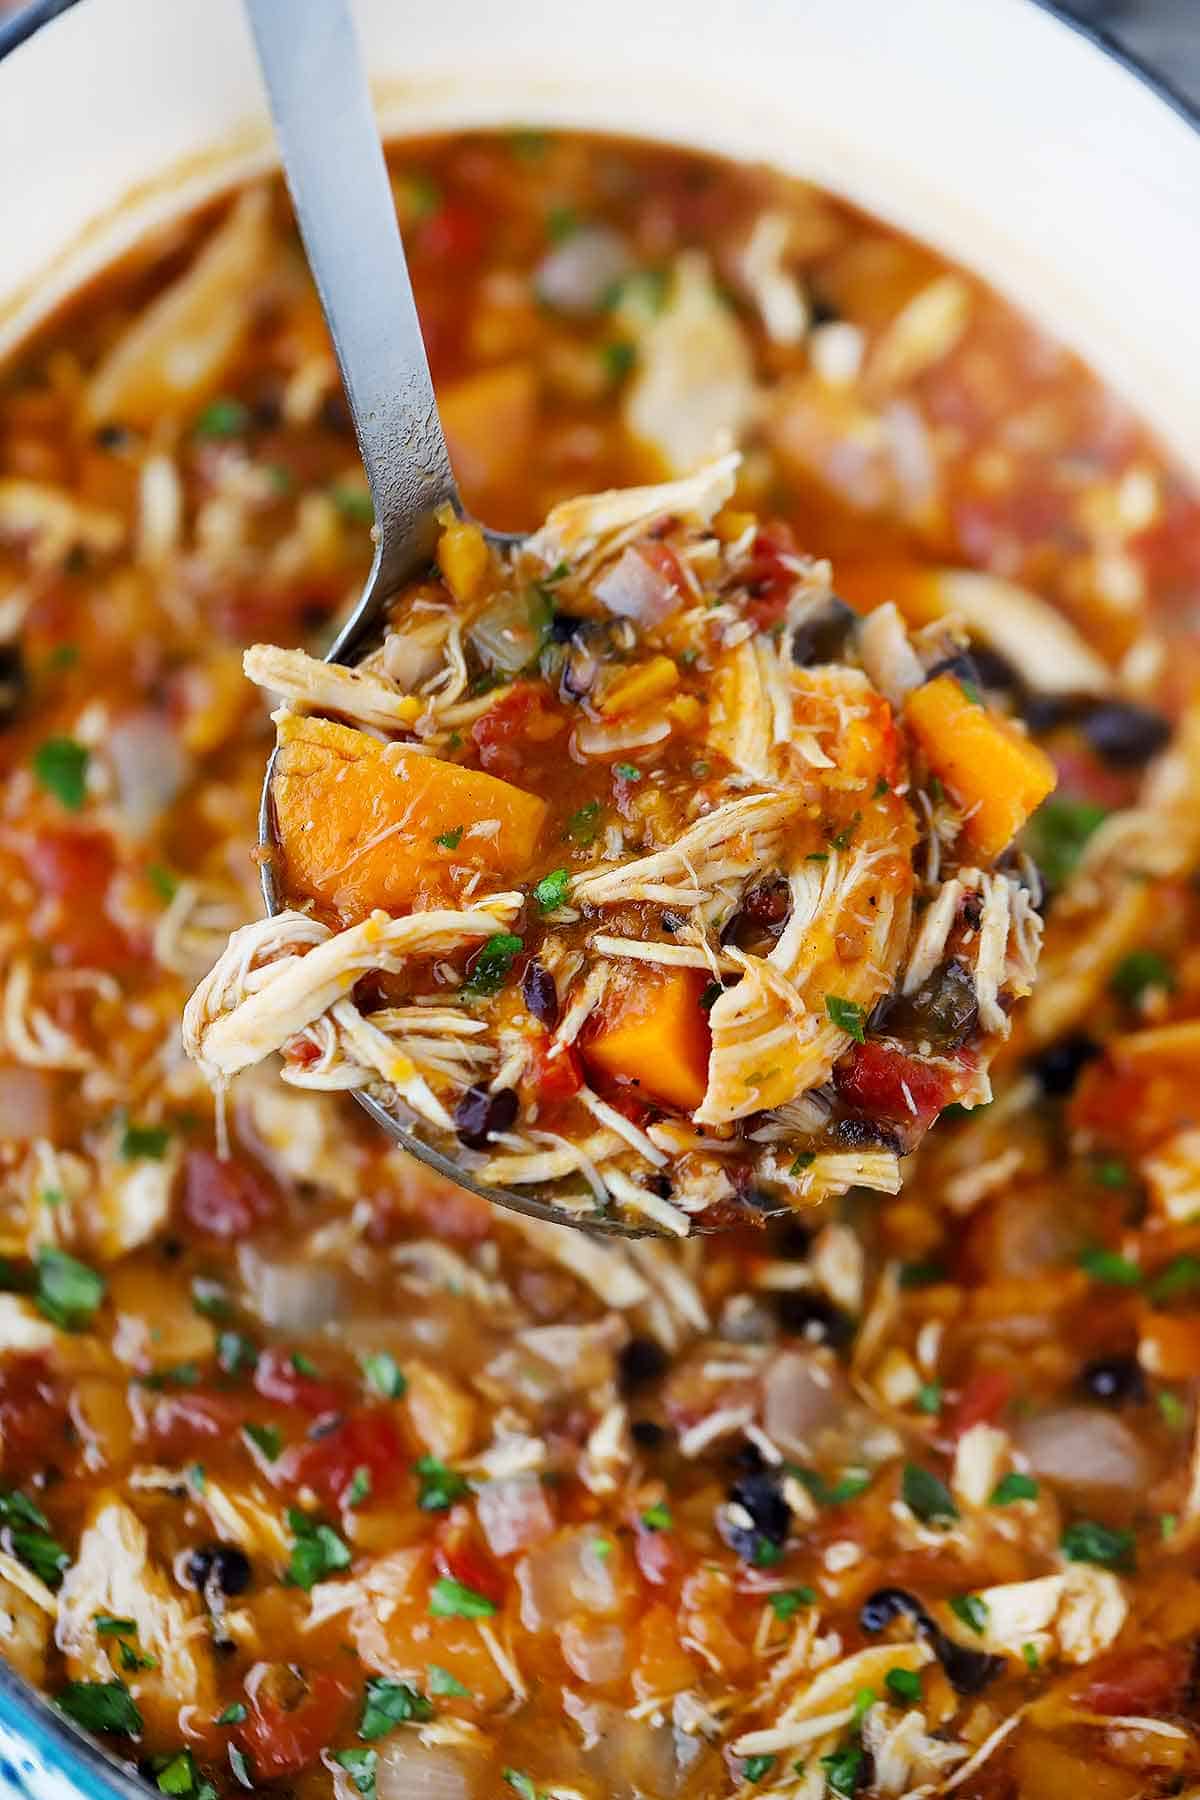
(653, 1036)
(360, 821)
(990, 769)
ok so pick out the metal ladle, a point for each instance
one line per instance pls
(333, 163)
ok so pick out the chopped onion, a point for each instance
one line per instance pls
(634, 589)
(576, 1572)
(411, 657)
(595, 737)
(291, 1296)
(510, 631)
(1084, 1452)
(514, 1514)
(597, 1652)
(802, 1394)
(411, 1770)
(150, 766)
(576, 276)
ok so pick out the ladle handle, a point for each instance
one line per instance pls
(333, 161)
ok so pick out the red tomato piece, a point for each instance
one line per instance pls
(1144, 1682)
(459, 1555)
(454, 234)
(32, 1412)
(555, 1077)
(227, 1199)
(770, 575)
(177, 1421)
(276, 1377)
(73, 870)
(981, 1401)
(657, 1555)
(292, 1716)
(367, 1442)
(886, 1084)
(501, 732)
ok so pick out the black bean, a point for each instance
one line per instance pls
(112, 437)
(856, 1133)
(812, 1316)
(995, 671)
(540, 994)
(759, 1497)
(962, 665)
(1125, 735)
(218, 1568)
(1060, 1065)
(648, 1435)
(821, 638)
(480, 1115)
(1045, 712)
(639, 1361)
(673, 921)
(1113, 1380)
(820, 311)
(943, 1012)
(794, 1240)
(968, 1671)
(563, 627)
(660, 1185)
(14, 683)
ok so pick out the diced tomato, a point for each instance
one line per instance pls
(73, 870)
(501, 734)
(227, 1199)
(454, 234)
(1144, 1682)
(367, 1443)
(556, 1077)
(981, 1401)
(769, 577)
(276, 1377)
(291, 1717)
(662, 558)
(177, 1421)
(460, 1555)
(32, 1412)
(883, 1082)
(657, 1554)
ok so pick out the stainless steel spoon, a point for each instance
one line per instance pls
(333, 162)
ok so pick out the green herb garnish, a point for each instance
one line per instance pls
(441, 1681)
(387, 1704)
(493, 964)
(440, 1487)
(383, 1374)
(144, 1141)
(1109, 1266)
(361, 1766)
(551, 891)
(68, 1292)
(1013, 1486)
(317, 1551)
(450, 1599)
(847, 1015)
(926, 1496)
(903, 1685)
(223, 418)
(101, 1706)
(971, 1611)
(1087, 1541)
(1138, 973)
(60, 766)
(450, 840)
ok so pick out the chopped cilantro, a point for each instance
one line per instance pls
(619, 358)
(353, 502)
(1180, 1276)
(492, 964)
(390, 1703)
(1013, 1486)
(317, 1551)
(1171, 1409)
(165, 885)
(658, 1517)
(144, 1141)
(26, 1535)
(441, 1681)
(178, 1774)
(844, 1769)
(971, 690)
(223, 418)
(234, 1714)
(929, 1398)
(450, 840)
(926, 1496)
(921, 1274)
(62, 658)
(1168, 1524)
(210, 1297)
(842, 840)
(786, 1604)
(562, 222)
(551, 890)
(236, 1354)
(1139, 972)
(362, 1767)
(971, 1611)
(1032, 1659)
(1109, 1266)
(108, 1625)
(521, 1784)
(440, 1487)
(184, 1374)
(1111, 1173)
(756, 1768)
(101, 1706)
(583, 826)
(1057, 834)
(847, 1015)
(360, 1486)
(60, 766)
(627, 771)
(450, 1599)
(642, 291)
(848, 1486)
(1087, 1541)
(267, 1438)
(903, 1685)
(383, 1375)
(239, 1763)
(802, 1161)
(68, 1292)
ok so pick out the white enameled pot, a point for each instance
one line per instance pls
(991, 128)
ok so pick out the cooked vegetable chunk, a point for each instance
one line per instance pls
(654, 1038)
(367, 825)
(996, 774)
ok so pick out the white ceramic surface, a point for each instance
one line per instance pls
(988, 127)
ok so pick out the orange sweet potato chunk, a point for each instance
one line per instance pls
(359, 821)
(993, 772)
(655, 1034)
